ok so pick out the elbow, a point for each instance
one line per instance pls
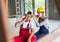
(15, 24)
(32, 31)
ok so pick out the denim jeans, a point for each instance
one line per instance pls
(42, 32)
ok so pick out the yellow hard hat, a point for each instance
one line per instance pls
(41, 9)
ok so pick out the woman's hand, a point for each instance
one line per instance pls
(26, 17)
(29, 40)
(32, 15)
(21, 22)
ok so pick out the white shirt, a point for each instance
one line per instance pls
(31, 24)
(45, 23)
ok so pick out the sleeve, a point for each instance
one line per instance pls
(32, 24)
(20, 18)
(43, 23)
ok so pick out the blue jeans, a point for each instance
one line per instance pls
(42, 32)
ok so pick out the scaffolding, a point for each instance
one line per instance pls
(18, 12)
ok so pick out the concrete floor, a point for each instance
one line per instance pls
(56, 39)
(52, 37)
(53, 25)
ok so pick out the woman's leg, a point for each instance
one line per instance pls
(42, 32)
(37, 33)
(18, 39)
(34, 38)
(40, 35)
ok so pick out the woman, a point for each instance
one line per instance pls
(26, 33)
(41, 22)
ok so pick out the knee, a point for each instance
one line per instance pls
(33, 39)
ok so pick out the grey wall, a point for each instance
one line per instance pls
(53, 13)
(11, 7)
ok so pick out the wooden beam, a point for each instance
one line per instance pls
(58, 5)
(4, 19)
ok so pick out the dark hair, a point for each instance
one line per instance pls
(29, 12)
(40, 20)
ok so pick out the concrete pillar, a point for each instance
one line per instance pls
(23, 7)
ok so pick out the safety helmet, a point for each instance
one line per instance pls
(41, 9)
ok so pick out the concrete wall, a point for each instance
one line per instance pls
(53, 13)
(11, 7)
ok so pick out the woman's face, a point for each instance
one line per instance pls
(28, 16)
(40, 14)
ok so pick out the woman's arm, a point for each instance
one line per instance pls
(20, 22)
(32, 26)
(32, 33)
(35, 19)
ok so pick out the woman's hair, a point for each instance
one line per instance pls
(41, 19)
(29, 12)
